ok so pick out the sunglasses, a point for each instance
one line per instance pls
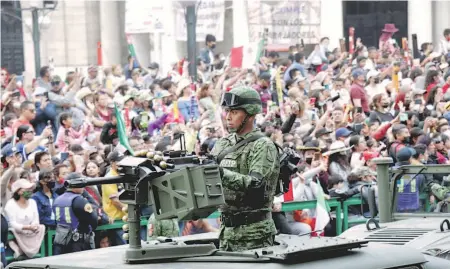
(54, 83)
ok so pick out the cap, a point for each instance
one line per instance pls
(358, 72)
(322, 131)
(39, 91)
(153, 65)
(56, 78)
(371, 74)
(417, 91)
(343, 132)
(21, 184)
(265, 76)
(115, 156)
(299, 79)
(9, 150)
(405, 153)
(127, 97)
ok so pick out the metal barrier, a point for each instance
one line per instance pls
(117, 225)
(39, 255)
(291, 206)
(287, 207)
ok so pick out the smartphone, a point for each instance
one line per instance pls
(334, 98)
(403, 117)
(15, 94)
(359, 110)
(312, 101)
(418, 102)
(64, 156)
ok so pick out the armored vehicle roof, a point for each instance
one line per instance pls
(354, 256)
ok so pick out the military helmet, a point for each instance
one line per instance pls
(243, 97)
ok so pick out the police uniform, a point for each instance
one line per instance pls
(249, 177)
(76, 219)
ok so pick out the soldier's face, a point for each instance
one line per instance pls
(234, 118)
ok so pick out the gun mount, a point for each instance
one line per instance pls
(188, 192)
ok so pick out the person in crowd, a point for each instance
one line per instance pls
(207, 53)
(45, 197)
(75, 222)
(23, 218)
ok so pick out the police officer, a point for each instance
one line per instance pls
(76, 219)
(249, 167)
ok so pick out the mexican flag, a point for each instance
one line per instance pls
(246, 56)
(121, 131)
(131, 49)
(322, 211)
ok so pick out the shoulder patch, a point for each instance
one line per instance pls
(88, 208)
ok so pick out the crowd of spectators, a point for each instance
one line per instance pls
(338, 110)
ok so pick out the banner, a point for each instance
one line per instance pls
(288, 21)
(143, 17)
(210, 20)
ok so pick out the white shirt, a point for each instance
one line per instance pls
(19, 217)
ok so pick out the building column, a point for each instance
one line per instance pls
(441, 20)
(109, 34)
(420, 21)
(169, 52)
(240, 23)
(332, 21)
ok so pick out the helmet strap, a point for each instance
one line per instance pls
(247, 116)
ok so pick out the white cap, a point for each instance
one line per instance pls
(39, 91)
(371, 74)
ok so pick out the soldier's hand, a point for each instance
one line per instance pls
(276, 207)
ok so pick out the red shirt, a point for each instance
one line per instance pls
(445, 88)
(18, 123)
(357, 92)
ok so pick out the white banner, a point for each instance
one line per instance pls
(143, 17)
(288, 21)
(210, 20)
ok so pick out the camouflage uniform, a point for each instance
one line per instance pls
(249, 178)
(441, 192)
(167, 228)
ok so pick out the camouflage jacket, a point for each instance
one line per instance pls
(167, 228)
(250, 175)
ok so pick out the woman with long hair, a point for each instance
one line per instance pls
(23, 217)
(205, 99)
(380, 109)
(338, 161)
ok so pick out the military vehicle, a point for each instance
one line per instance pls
(193, 191)
(428, 232)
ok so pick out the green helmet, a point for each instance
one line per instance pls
(243, 97)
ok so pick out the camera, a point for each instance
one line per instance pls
(288, 167)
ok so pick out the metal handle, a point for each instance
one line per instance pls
(374, 221)
(446, 221)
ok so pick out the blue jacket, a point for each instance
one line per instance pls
(204, 55)
(42, 116)
(45, 209)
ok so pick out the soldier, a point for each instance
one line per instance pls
(76, 220)
(249, 167)
(166, 228)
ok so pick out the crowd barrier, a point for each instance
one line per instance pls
(339, 207)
